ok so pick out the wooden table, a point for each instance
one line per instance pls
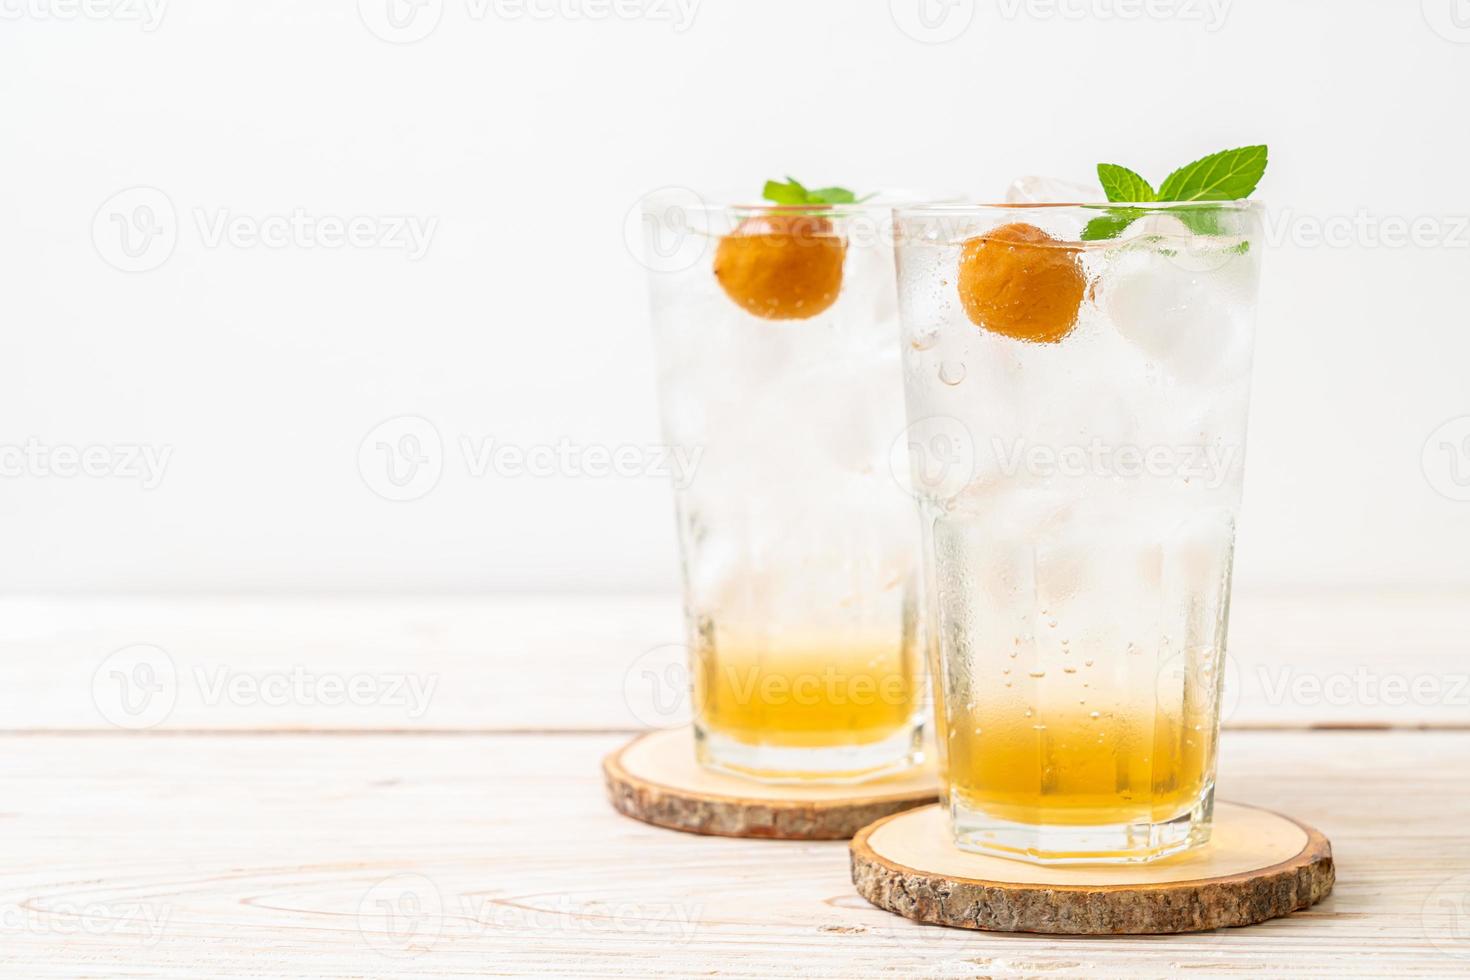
(410, 787)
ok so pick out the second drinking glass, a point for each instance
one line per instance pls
(1079, 410)
(777, 339)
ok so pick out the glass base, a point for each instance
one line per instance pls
(1055, 844)
(825, 764)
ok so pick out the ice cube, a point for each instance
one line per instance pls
(1053, 190)
(1184, 302)
(1156, 226)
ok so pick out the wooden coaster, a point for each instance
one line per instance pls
(654, 778)
(1258, 865)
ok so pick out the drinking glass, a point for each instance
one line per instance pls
(776, 332)
(1077, 381)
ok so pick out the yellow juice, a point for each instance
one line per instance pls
(807, 693)
(1078, 767)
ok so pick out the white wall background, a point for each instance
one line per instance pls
(528, 138)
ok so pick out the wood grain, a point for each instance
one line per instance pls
(654, 778)
(244, 834)
(1298, 658)
(472, 855)
(1259, 866)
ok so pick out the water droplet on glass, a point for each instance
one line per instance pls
(1030, 712)
(1069, 670)
(952, 372)
(1036, 673)
(1087, 663)
(925, 340)
(1095, 715)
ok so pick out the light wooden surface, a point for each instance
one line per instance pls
(523, 663)
(260, 837)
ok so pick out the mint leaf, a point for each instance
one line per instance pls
(1225, 176)
(832, 195)
(1111, 224)
(791, 192)
(1122, 184)
(1204, 220)
(779, 193)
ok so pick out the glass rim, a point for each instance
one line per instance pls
(948, 209)
(884, 203)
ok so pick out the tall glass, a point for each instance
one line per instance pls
(777, 338)
(1080, 410)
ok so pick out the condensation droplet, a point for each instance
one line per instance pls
(1069, 670)
(1036, 673)
(952, 372)
(925, 341)
(1095, 715)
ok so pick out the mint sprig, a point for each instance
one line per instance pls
(791, 192)
(1225, 176)
(1122, 184)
